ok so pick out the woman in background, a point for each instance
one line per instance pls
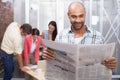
(51, 33)
(32, 44)
(31, 51)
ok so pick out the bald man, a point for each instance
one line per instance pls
(81, 34)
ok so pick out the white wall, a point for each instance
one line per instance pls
(19, 11)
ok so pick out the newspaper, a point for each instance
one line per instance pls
(32, 67)
(78, 62)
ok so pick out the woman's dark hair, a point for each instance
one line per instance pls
(35, 31)
(27, 28)
(53, 23)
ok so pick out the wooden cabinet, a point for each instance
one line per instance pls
(6, 17)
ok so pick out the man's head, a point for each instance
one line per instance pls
(76, 14)
(25, 29)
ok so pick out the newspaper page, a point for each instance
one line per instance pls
(78, 62)
(89, 60)
(63, 67)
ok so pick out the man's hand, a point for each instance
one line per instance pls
(29, 64)
(110, 62)
(48, 54)
(23, 69)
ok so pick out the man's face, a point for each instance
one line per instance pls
(22, 32)
(77, 17)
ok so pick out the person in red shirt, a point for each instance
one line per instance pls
(32, 44)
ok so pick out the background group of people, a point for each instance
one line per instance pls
(32, 43)
(24, 42)
(29, 49)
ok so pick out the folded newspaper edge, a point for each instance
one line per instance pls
(72, 48)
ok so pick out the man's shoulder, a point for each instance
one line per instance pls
(13, 27)
(93, 31)
(14, 24)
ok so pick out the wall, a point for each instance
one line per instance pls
(19, 11)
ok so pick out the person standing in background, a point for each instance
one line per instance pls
(32, 44)
(51, 33)
(12, 45)
(31, 51)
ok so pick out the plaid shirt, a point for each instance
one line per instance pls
(91, 36)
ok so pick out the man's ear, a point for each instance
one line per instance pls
(68, 14)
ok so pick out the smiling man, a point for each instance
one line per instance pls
(79, 33)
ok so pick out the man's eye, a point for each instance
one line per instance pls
(81, 16)
(73, 16)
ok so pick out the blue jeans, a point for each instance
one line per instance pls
(8, 65)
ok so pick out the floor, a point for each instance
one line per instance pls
(15, 79)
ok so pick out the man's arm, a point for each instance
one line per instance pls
(20, 62)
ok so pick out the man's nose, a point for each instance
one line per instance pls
(78, 19)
